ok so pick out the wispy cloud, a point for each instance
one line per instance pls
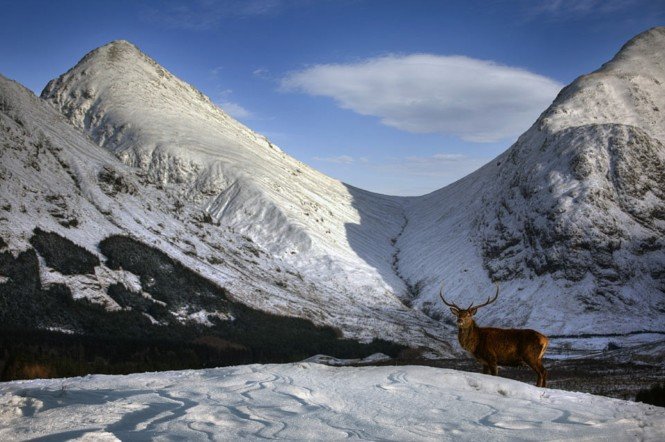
(441, 165)
(403, 175)
(341, 159)
(261, 73)
(202, 15)
(567, 9)
(223, 98)
(477, 100)
(235, 110)
(438, 158)
(418, 175)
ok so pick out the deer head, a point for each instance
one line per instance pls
(465, 315)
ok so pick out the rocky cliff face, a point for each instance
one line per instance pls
(582, 194)
(595, 210)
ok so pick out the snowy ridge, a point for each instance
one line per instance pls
(626, 90)
(308, 401)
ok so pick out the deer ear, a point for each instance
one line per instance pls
(455, 311)
(473, 310)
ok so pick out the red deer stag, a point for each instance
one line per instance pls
(508, 347)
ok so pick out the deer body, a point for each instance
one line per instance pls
(500, 346)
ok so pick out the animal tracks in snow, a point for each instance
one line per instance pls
(311, 401)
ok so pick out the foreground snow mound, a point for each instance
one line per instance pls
(307, 401)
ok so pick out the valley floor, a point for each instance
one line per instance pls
(601, 377)
(307, 401)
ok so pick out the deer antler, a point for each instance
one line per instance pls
(444, 299)
(489, 301)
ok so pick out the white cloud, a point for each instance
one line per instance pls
(261, 73)
(341, 159)
(230, 107)
(477, 100)
(235, 110)
(216, 71)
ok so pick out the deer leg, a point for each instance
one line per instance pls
(542, 375)
(492, 366)
(537, 366)
(486, 369)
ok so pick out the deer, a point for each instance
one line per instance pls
(491, 347)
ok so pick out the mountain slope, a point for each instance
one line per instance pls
(334, 236)
(570, 219)
(148, 243)
(133, 107)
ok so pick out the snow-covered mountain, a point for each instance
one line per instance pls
(329, 245)
(119, 155)
(266, 230)
(570, 220)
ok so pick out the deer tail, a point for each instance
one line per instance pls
(544, 342)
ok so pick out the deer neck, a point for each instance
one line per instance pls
(468, 337)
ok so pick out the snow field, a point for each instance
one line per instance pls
(306, 401)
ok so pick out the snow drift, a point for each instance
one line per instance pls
(306, 401)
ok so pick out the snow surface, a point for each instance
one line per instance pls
(306, 401)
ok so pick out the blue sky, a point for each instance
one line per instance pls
(398, 97)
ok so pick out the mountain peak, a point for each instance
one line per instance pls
(116, 62)
(626, 90)
(119, 50)
(644, 44)
(121, 42)
(113, 49)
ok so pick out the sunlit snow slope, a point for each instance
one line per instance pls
(133, 107)
(217, 198)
